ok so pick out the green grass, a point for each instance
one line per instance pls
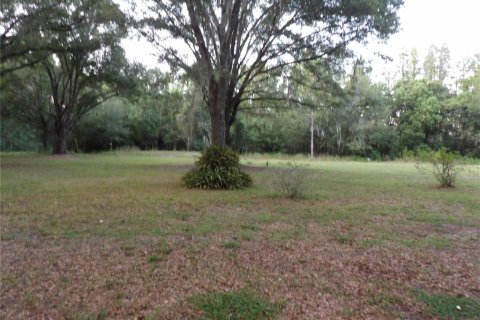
(135, 204)
(124, 195)
(241, 305)
(232, 244)
(448, 307)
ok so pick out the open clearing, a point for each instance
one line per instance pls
(116, 235)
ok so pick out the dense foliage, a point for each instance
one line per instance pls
(77, 45)
(217, 168)
(357, 118)
(62, 83)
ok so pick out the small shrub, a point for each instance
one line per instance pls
(290, 181)
(217, 168)
(445, 166)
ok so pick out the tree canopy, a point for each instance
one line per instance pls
(78, 44)
(233, 43)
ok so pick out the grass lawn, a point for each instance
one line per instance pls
(116, 235)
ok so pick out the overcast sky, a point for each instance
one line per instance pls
(423, 23)
(435, 22)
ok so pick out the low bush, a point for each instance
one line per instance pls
(443, 165)
(217, 168)
(291, 181)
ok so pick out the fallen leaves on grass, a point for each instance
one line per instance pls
(65, 278)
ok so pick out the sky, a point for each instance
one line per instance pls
(423, 23)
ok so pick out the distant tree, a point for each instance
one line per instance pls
(90, 67)
(104, 128)
(26, 98)
(414, 67)
(462, 115)
(437, 63)
(430, 64)
(409, 67)
(17, 136)
(417, 112)
(235, 42)
(160, 105)
(443, 62)
(190, 118)
(366, 115)
(77, 44)
(315, 86)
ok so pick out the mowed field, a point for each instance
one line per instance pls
(117, 236)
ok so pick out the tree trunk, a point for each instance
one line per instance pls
(216, 100)
(230, 115)
(44, 131)
(44, 140)
(228, 136)
(311, 134)
(338, 127)
(60, 138)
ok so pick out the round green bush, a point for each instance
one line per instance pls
(217, 168)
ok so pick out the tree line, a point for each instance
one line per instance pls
(260, 76)
(349, 116)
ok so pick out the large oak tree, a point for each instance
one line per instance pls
(227, 45)
(78, 44)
